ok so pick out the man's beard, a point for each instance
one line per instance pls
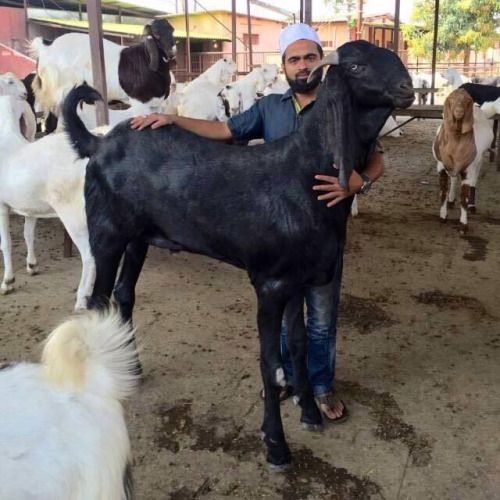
(302, 86)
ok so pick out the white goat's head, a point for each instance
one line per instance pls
(221, 72)
(16, 120)
(11, 85)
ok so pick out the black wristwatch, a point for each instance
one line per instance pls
(367, 184)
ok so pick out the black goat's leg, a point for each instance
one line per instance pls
(297, 345)
(271, 304)
(106, 266)
(124, 292)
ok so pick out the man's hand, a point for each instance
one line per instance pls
(154, 120)
(333, 191)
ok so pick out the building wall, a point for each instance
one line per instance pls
(12, 28)
(332, 34)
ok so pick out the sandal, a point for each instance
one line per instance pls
(285, 393)
(328, 400)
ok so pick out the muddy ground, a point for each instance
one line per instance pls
(418, 355)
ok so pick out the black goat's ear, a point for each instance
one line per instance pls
(330, 60)
(153, 52)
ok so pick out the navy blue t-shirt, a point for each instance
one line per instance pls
(270, 118)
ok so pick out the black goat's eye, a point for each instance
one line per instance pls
(354, 67)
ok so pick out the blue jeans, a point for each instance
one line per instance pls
(322, 304)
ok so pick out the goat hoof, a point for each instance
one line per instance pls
(311, 427)
(280, 377)
(451, 204)
(32, 269)
(279, 468)
(471, 209)
(443, 220)
(463, 229)
(5, 289)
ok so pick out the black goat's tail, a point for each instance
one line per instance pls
(83, 142)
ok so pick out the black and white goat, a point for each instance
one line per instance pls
(251, 207)
(143, 69)
(481, 93)
(139, 72)
(62, 429)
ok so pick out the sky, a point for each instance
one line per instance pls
(318, 6)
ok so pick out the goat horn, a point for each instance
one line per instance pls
(330, 59)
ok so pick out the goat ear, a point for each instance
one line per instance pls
(23, 126)
(448, 119)
(468, 120)
(153, 52)
(330, 59)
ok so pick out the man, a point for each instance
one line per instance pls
(271, 118)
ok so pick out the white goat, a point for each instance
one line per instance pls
(465, 134)
(243, 93)
(389, 125)
(200, 97)
(11, 85)
(454, 78)
(62, 430)
(66, 62)
(37, 180)
(279, 86)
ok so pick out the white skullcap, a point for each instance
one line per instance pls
(294, 32)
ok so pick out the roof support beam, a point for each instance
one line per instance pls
(188, 40)
(97, 57)
(233, 28)
(395, 41)
(434, 47)
(250, 48)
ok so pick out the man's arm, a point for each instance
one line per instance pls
(333, 192)
(205, 128)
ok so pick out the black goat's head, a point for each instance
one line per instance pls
(159, 40)
(362, 86)
(376, 76)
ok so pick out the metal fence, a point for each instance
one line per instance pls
(200, 61)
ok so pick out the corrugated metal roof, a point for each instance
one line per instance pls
(119, 28)
(108, 6)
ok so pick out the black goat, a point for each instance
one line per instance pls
(251, 207)
(143, 70)
(481, 93)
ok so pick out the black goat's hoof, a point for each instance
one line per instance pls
(279, 468)
(311, 427)
(451, 204)
(471, 209)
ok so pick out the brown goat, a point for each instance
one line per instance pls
(458, 147)
(454, 145)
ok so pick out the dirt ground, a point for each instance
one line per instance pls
(417, 359)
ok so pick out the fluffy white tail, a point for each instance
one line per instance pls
(93, 353)
(35, 47)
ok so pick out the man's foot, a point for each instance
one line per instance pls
(285, 393)
(335, 411)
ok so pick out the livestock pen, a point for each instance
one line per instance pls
(417, 354)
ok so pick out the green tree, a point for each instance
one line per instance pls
(463, 25)
(347, 6)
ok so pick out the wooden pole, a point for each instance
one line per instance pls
(302, 11)
(26, 26)
(97, 57)
(308, 11)
(395, 33)
(188, 41)
(233, 31)
(434, 47)
(250, 48)
(359, 22)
